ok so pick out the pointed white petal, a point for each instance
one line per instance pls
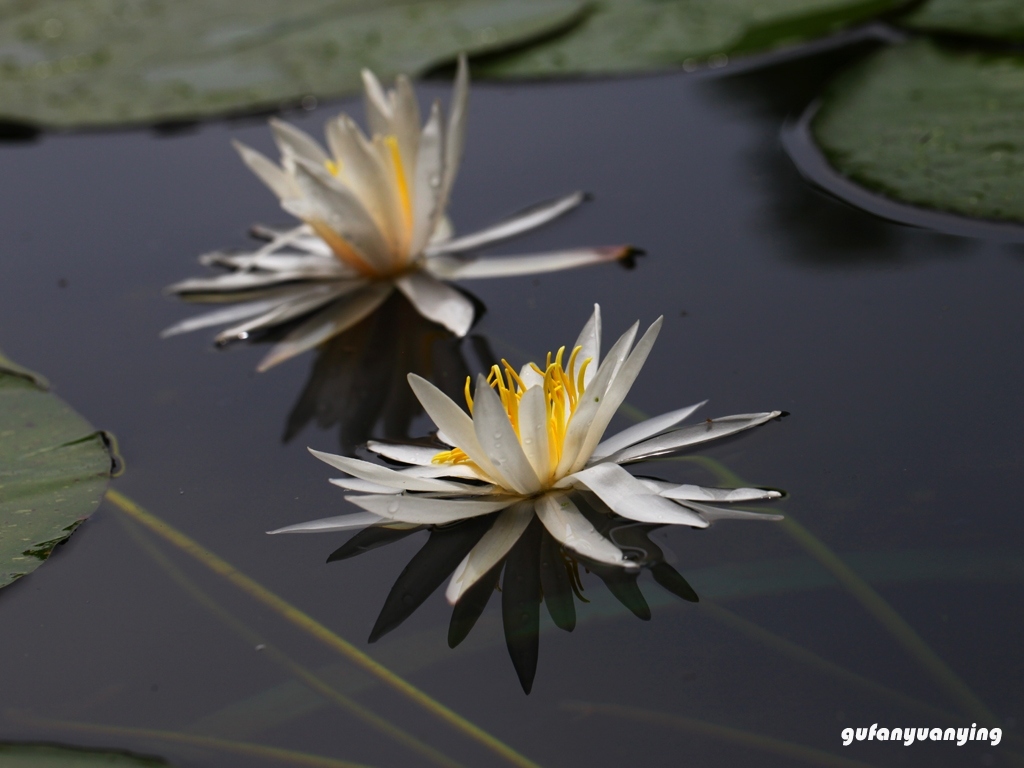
(455, 131)
(405, 124)
(449, 471)
(530, 377)
(589, 342)
(569, 527)
(269, 172)
(454, 422)
(533, 430)
(642, 431)
(296, 144)
(535, 216)
(322, 326)
(630, 498)
(453, 268)
(711, 514)
(428, 511)
(728, 495)
(407, 454)
(437, 301)
(361, 486)
(328, 524)
(308, 301)
(426, 182)
(378, 105)
(616, 393)
(236, 282)
(712, 429)
(489, 551)
(221, 316)
(498, 439)
(385, 476)
(267, 261)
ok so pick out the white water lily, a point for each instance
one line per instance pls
(531, 439)
(373, 213)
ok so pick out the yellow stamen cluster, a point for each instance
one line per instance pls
(563, 388)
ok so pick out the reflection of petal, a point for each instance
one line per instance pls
(221, 316)
(673, 581)
(471, 606)
(390, 478)
(622, 584)
(711, 429)
(556, 585)
(628, 497)
(426, 511)
(451, 268)
(699, 493)
(327, 524)
(499, 440)
(328, 323)
(437, 301)
(369, 539)
(536, 216)
(520, 604)
(564, 521)
(490, 550)
(642, 431)
(303, 303)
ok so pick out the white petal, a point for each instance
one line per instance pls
(270, 173)
(711, 514)
(712, 429)
(391, 478)
(592, 399)
(589, 342)
(535, 216)
(642, 431)
(378, 105)
(267, 261)
(452, 420)
(405, 124)
(569, 527)
(311, 299)
(426, 182)
(407, 454)
(236, 282)
(362, 486)
(425, 511)
(221, 316)
(533, 429)
(493, 546)
(460, 471)
(728, 495)
(328, 524)
(295, 143)
(530, 377)
(498, 439)
(455, 130)
(630, 498)
(437, 301)
(452, 268)
(322, 326)
(616, 393)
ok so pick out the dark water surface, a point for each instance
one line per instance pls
(897, 352)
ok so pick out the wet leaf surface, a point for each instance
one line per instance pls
(643, 35)
(54, 469)
(999, 19)
(96, 63)
(932, 127)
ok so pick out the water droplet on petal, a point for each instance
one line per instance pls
(393, 507)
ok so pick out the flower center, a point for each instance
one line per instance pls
(563, 389)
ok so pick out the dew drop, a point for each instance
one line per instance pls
(393, 507)
(435, 180)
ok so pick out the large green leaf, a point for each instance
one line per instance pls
(54, 469)
(68, 63)
(645, 35)
(933, 127)
(47, 756)
(1000, 19)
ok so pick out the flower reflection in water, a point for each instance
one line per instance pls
(373, 213)
(358, 383)
(531, 455)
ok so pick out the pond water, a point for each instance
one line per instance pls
(896, 352)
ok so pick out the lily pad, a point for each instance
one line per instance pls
(647, 35)
(99, 63)
(932, 127)
(48, 756)
(998, 19)
(54, 469)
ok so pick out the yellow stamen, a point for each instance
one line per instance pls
(469, 397)
(332, 167)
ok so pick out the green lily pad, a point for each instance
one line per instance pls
(54, 469)
(998, 19)
(646, 35)
(98, 63)
(47, 756)
(932, 127)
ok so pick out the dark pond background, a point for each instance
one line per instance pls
(897, 352)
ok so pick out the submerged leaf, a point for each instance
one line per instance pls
(999, 19)
(932, 127)
(54, 469)
(641, 35)
(94, 63)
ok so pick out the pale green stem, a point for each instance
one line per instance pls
(315, 629)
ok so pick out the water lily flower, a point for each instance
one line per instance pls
(530, 440)
(373, 213)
